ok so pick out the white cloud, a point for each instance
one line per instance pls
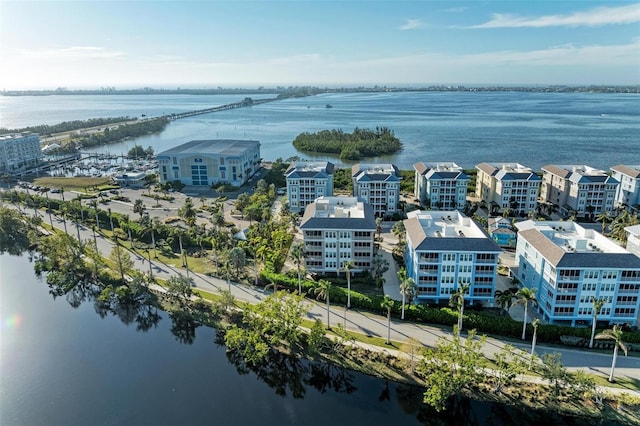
(411, 24)
(80, 52)
(591, 18)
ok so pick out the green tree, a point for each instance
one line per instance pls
(379, 226)
(603, 217)
(317, 338)
(179, 288)
(379, 265)
(323, 290)
(237, 259)
(526, 296)
(297, 254)
(457, 300)
(452, 366)
(138, 207)
(504, 298)
(14, 232)
(408, 288)
(188, 212)
(554, 372)
(412, 349)
(399, 231)
(348, 266)
(597, 305)
(509, 363)
(616, 335)
(387, 304)
(122, 259)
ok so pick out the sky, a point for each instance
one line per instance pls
(86, 44)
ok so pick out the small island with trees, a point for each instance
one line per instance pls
(362, 143)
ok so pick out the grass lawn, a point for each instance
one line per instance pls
(80, 184)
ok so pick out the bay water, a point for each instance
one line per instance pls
(533, 128)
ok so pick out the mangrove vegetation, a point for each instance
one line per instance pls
(362, 143)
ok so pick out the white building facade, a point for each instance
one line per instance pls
(446, 248)
(507, 186)
(628, 193)
(378, 185)
(441, 185)
(633, 239)
(209, 162)
(568, 265)
(18, 152)
(577, 188)
(336, 230)
(306, 181)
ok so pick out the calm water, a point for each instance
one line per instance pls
(535, 129)
(62, 363)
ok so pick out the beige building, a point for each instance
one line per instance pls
(577, 188)
(378, 185)
(208, 162)
(507, 186)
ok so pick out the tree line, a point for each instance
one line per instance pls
(124, 131)
(67, 126)
(362, 143)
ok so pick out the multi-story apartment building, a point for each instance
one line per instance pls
(446, 248)
(19, 151)
(633, 239)
(582, 190)
(568, 265)
(306, 181)
(441, 186)
(507, 186)
(208, 162)
(628, 193)
(336, 230)
(378, 185)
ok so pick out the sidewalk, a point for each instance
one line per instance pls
(368, 323)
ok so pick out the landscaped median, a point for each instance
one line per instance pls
(488, 323)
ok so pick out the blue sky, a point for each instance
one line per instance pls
(136, 43)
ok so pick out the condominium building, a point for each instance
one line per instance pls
(569, 265)
(306, 181)
(628, 192)
(578, 189)
(19, 151)
(441, 186)
(336, 230)
(446, 248)
(208, 162)
(633, 239)
(378, 185)
(509, 186)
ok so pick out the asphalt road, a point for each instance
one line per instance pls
(368, 323)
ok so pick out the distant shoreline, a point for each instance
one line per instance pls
(310, 91)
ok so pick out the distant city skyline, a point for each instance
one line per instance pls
(86, 44)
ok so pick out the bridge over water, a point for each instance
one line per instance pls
(246, 102)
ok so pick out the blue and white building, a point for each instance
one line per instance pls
(445, 248)
(19, 152)
(441, 186)
(568, 265)
(628, 192)
(208, 162)
(336, 230)
(306, 181)
(378, 185)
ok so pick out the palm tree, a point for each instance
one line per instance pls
(457, 301)
(323, 291)
(408, 288)
(94, 205)
(535, 323)
(597, 306)
(525, 296)
(399, 231)
(297, 253)
(604, 217)
(616, 336)
(348, 266)
(387, 303)
(379, 226)
(379, 265)
(505, 298)
(138, 207)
